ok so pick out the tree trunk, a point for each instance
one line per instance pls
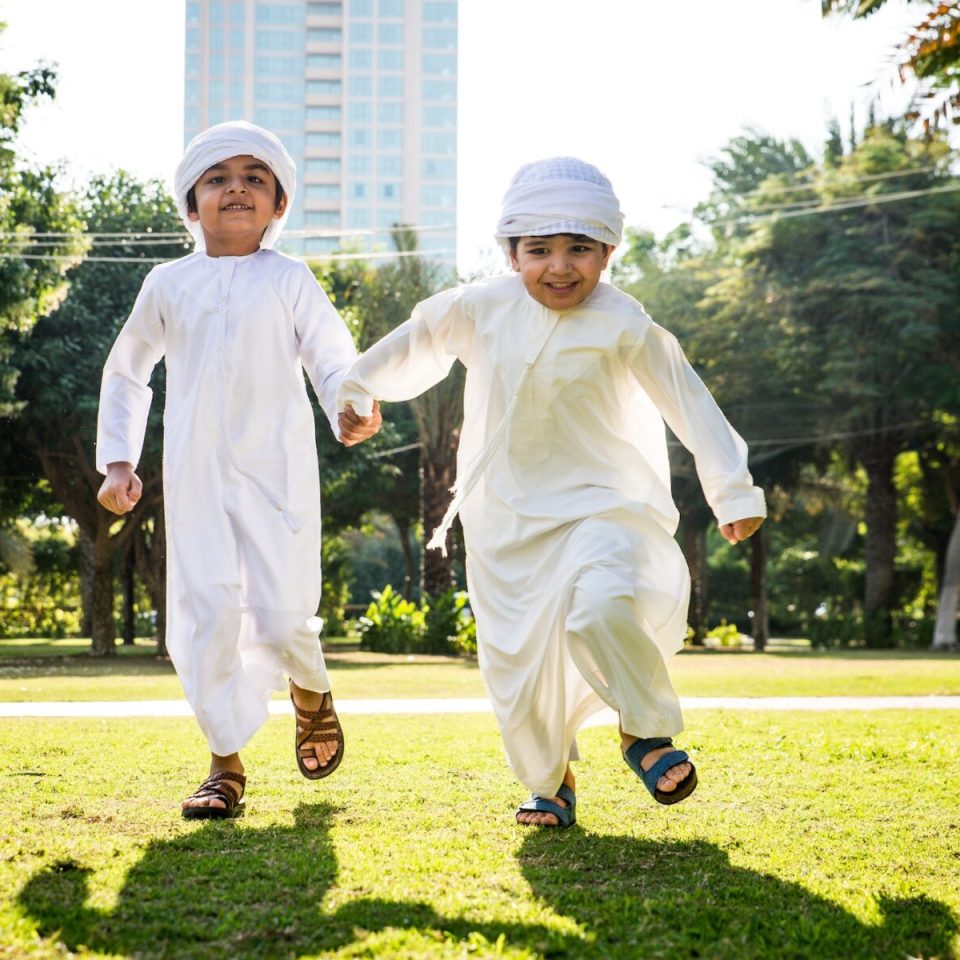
(403, 532)
(128, 586)
(758, 590)
(103, 634)
(945, 630)
(436, 478)
(694, 550)
(880, 550)
(87, 564)
(150, 543)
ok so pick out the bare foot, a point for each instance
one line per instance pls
(314, 753)
(674, 775)
(218, 765)
(542, 818)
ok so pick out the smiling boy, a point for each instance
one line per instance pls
(237, 324)
(578, 588)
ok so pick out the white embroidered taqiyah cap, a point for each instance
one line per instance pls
(560, 195)
(235, 138)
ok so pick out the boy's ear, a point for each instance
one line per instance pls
(193, 215)
(281, 206)
(514, 260)
(608, 253)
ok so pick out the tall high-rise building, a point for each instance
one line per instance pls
(363, 94)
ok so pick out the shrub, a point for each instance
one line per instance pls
(441, 625)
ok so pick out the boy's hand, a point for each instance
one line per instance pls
(741, 529)
(356, 429)
(120, 491)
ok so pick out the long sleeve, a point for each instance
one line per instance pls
(411, 358)
(125, 394)
(325, 346)
(692, 414)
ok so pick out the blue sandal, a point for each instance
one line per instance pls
(640, 748)
(566, 816)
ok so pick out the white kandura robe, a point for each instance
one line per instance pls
(240, 472)
(579, 590)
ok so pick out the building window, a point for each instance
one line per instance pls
(322, 191)
(278, 118)
(317, 165)
(361, 33)
(360, 86)
(324, 9)
(192, 38)
(192, 64)
(436, 195)
(437, 38)
(390, 112)
(321, 244)
(389, 85)
(193, 11)
(278, 66)
(322, 218)
(389, 191)
(360, 163)
(361, 59)
(391, 33)
(360, 111)
(440, 64)
(391, 8)
(359, 190)
(324, 35)
(361, 8)
(326, 88)
(286, 13)
(391, 138)
(391, 60)
(445, 90)
(440, 117)
(277, 91)
(389, 216)
(436, 169)
(277, 41)
(324, 61)
(358, 218)
(390, 165)
(439, 13)
(359, 137)
(442, 143)
(323, 113)
(323, 139)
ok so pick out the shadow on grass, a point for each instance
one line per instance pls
(225, 891)
(640, 898)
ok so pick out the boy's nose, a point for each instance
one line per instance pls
(237, 185)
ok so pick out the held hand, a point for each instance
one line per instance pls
(354, 428)
(740, 529)
(120, 491)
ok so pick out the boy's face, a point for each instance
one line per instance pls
(560, 271)
(236, 200)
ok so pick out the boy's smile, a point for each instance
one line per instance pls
(235, 202)
(562, 270)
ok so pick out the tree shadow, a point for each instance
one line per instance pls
(226, 891)
(223, 890)
(642, 898)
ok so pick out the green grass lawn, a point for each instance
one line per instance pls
(34, 671)
(811, 836)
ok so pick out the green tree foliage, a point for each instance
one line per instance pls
(61, 359)
(38, 225)
(930, 53)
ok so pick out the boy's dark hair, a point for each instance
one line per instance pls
(192, 198)
(515, 241)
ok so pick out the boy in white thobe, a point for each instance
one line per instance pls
(237, 323)
(579, 590)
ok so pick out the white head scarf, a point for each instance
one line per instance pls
(560, 195)
(235, 138)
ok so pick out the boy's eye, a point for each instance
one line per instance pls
(255, 179)
(217, 178)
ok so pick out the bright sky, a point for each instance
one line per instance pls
(645, 89)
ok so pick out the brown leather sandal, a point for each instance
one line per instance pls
(317, 726)
(218, 786)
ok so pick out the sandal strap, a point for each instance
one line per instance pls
(219, 786)
(317, 726)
